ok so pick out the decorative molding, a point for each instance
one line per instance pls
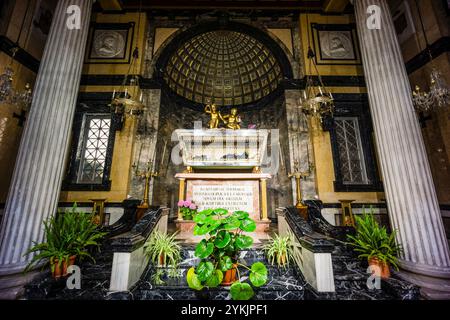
(323, 57)
(113, 31)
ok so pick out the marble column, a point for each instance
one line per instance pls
(39, 168)
(411, 197)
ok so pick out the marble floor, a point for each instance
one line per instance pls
(283, 284)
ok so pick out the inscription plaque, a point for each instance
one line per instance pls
(230, 195)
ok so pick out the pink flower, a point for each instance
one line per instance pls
(187, 203)
(192, 206)
(180, 203)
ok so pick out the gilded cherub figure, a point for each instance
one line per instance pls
(232, 120)
(213, 123)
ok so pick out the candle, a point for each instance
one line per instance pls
(163, 154)
(307, 154)
(140, 97)
(114, 94)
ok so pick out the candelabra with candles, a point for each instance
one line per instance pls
(147, 175)
(299, 175)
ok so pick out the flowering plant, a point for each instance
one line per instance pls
(188, 209)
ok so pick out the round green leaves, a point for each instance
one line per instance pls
(192, 280)
(225, 263)
(215, 279)
(248, 225)
(258, 274)
(243, 242)
(223, 238)
(204, 270)
(204, 249)
(241, 291)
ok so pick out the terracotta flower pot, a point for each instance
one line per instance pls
(283, 259)
(60, 270)
(381, 268)
(229, 276)
(162, 260)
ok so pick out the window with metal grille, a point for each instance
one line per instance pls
(93, 148)
(350, 151)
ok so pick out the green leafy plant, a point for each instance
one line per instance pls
(219, 252)
(373, 241)
(163, 249)
(67, 234)
(164, 252)
(280, 250)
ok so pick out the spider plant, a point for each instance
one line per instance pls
(280, 250)
(373, 242)
(163, 249)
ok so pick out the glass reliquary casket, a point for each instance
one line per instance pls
(221, 148)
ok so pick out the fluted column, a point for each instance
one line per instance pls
(38, 172)
(411, 196)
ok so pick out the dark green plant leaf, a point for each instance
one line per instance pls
(200, 218)
(204, 270)
(192, 280)
(223, 239)
(209, 224)
(225, 263)
(258, 274)
(241, 291)
(204, 249)
(215, 279)
(240, 215)
(243, 241)
(248, 225)
(231, 223)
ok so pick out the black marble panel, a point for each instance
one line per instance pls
(136, 237)
(321, 225)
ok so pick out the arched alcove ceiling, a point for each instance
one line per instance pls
(232, 65)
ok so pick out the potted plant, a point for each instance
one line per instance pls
(69, 236)
(218, 253)
(280, 250)
(188, 209)
(373, 243)
(164, 251)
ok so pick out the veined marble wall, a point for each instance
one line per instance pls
(300, 146)
(145, 143)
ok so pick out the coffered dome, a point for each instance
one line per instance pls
(227, 67)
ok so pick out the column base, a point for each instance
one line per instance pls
(426, 270)
(12, 285)
(430, 287)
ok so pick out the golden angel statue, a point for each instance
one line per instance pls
(213, 123)
(232, 120)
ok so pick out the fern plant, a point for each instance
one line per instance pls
(67, 234)
(280, 250)
(372, 241)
